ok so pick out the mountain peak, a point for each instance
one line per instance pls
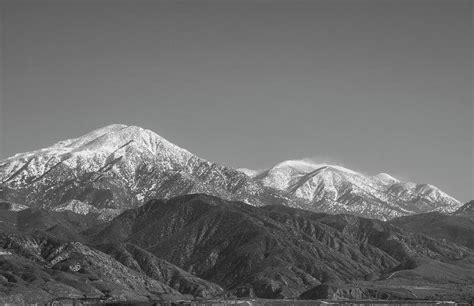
(305, 165)
(112, 138)
(100, 150)
(386, 177)
(118, 167)
(110, 128)
(340, 190)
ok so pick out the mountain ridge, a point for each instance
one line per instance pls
(198, 246)
(119, 167)
(322, 183)
(273, 251)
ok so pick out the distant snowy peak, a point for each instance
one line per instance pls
(129, 145)
(109, 139)
(294, 175)
(306, 166)
(119, 167)
(386, 178)
(340, 189)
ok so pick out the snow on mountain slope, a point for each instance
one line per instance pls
(119, 167)
(92, 152)
(248, 172)
(336, 189)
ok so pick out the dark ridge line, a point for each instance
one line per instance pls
(63, 158)
(101, 170)
(122, 146)
(305, 178)
(19, 170)
(109, 165)
(46, 173)
(91, 175)
(98, 177)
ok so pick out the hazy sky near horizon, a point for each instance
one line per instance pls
(375, 85)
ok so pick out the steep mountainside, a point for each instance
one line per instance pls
(467, 210)
(200, 246)
(336, 189)
(64, 225)
(44, 257)
(36, 269)
(457, 227)
(118, 167)
(272, 251)
(148, 264)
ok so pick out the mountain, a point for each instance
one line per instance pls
(118, 167)
(282, 252)
(467, 210)
(161, 270)
(44, 257)
(36, 269)
(203, 247)
(63, 225)
(457, 227)
(335, 189)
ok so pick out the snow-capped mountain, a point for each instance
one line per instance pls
(336, 189)
(119, 167)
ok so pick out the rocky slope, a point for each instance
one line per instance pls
(203, 247)
(273, 251)
(335, 189)
(44, 257)
(147, 264)
(467, 210)
(34, 269)
(456, 227)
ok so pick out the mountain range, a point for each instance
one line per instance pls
(203, 247)
(119, 167)
(122, 214)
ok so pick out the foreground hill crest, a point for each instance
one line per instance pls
(199, 246)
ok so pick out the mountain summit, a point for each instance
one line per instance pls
(335, 189)
(119, 167)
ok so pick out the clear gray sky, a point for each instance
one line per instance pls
(375, 85)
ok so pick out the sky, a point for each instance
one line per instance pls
(374, 85)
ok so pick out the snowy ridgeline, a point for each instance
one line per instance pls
(119, 166)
